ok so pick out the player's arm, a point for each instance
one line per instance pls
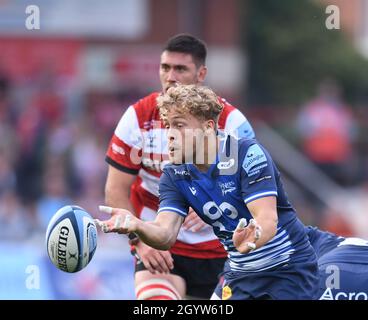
(117, 193)
(160, 234)
(259, 191)
(264, 211)
(261, 229)
(123, 168)
(117, 188)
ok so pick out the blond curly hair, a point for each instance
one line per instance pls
(199, 101)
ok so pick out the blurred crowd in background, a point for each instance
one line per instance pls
(52, 149)
(51, 153)
(62, 92)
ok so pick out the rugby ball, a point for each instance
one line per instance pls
(71, 238)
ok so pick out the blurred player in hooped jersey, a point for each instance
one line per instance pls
(342, 264)
(193, 263)
(235, 187)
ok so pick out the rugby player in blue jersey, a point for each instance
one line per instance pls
(342, 264)
(234, 186)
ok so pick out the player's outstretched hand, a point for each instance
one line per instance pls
(193, 222)
(245, 237)
(121, 221)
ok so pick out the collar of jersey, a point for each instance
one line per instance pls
(196, 173)
(212, 170)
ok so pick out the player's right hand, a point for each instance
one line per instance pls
(245, 236)
(155, 261)
(121, 221)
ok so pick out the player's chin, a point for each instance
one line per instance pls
(175, 158)
(168, 87)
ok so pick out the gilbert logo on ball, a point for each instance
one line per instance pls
(71, 238)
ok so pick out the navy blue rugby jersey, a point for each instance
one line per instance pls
(322, 241)
(242, 173)
(348, 251)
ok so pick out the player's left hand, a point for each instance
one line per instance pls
(246, 237)
(121, 221)
(193, 222)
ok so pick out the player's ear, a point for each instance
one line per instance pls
(202, 72)
(209, 126)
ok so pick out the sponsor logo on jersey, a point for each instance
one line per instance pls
(193, 190)
(257, 169)
(151, 144)
(226, 293)
(181, 172)
(153, 141)
(341, 295)
(253, 159)
(245, 131)
(227, 187)
(116, 149)
(225, 164)
(260, 179)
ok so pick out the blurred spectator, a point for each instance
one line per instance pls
(7, 174)
(15, 222)
(7, 142)
(29, 164)
(47, 97)
(7, 112)
(88, 153)
(327, 128)
(55, 192)
(91, 198)
(42, 111)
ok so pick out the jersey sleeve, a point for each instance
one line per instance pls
(170, 197)
(257, 174)
(237, 124)
(124, 150)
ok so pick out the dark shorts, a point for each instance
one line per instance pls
(201, 275)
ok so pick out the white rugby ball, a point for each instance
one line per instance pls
(71, 238)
